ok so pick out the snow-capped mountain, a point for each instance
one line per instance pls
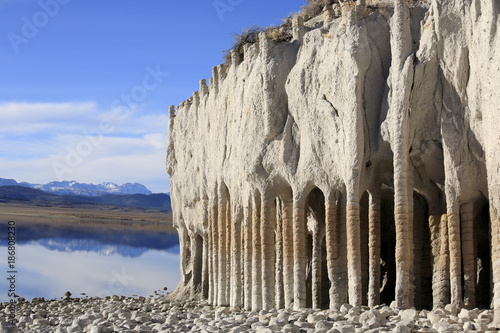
(75, 188)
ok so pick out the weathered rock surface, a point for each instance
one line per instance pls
(358, 163)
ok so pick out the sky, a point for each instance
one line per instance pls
(85, 85)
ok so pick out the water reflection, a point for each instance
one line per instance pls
(93, 259)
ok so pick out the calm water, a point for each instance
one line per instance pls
(97, 260)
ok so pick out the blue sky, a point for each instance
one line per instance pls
(85, 85)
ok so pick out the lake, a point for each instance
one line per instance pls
(88, 258)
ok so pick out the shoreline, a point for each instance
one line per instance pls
(92, 215)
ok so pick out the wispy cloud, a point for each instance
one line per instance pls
(87, 143)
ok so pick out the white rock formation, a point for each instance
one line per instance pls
(357, 163)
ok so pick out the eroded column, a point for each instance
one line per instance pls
(256, 255)
(247, 243)
(228, 252)
(316, 267)
(332, 249)
(288, 253)
(222, 236)
(455, 254)
(268, 223)
(236, 260)
(438, 226)
(468, 255)
(215, 253)
(278, 286)
(374, 249)
(299, 253)
(354, 251)
(211, 255)
(403, 218)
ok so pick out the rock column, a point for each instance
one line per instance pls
(374, 249)
(401, 82)
(455, 254)
(279, 301)
(316, 267)
(288, 250)
(468, 255)
(247, 249)
(221, 236)
(268, 223)
(439, 246)
(236, 261)
(332, 248)
(256, 254)
(354, 250)
(299, 251)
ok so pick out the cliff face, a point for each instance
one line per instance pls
(357, 163)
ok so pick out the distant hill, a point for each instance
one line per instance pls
(75, 188)
(9, 194)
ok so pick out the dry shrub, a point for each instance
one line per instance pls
(247, 36)
(315, 8)
(279, 34)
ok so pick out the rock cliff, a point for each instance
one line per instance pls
(357, 162)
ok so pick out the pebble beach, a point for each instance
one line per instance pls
(160, 314)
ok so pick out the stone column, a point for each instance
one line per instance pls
(403, 218)
(185, 251)
(495, 258)
(196, 261)
(268, 224)
(298, 28)
(215, 252)
(278, 285)
(228, 252)
(236, 260)
(468, 255)
(288, 253)
(316, 267)
(256, 255)
(221, 236)
(248, 243)
(211, 255)
(332, 248)
(299, 253)
(374, 248)
(440, 274)
(353, 250)
(400, 85)
(455, 254)
(341, 264)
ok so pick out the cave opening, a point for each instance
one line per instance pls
(387, 247)
(482, 232)
(197, 261)
(422, 253)
(317, 282)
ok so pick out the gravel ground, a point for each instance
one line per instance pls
(126, 314)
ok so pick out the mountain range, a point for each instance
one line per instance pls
(75, 188)
(72, 194)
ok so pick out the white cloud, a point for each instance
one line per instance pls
(78, 141)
